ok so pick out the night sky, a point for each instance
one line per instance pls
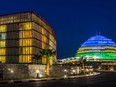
(74, 21)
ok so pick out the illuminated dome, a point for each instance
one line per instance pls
(98, 48)
(98, 40)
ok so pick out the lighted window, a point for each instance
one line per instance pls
(2, 35)
(50, 43)
(2, 28)
(25, 42)
(51, 37)
(2, 43)
(2, 51)
(25, 34)
(25, 58)
(17, 18)
(2, 59)
(26, 26)
(44, 31)
(44, 39)
(25, 50)
(43, 45)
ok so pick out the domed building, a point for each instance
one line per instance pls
(98, 47)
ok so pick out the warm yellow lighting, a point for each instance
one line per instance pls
(37, 71)
(65, 76)
(43, 60)
(25, 42)
(25, 34)
(43, 31)
(25, 50)
(2, 51)
(2, 28)
(44, 39)
(25, 26)
(25, 58)
(40, 75)
(2, 43)
(65, 70)
(12, 71)
(2, 59)
(43, 45)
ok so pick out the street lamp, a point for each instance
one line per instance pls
(37, 71)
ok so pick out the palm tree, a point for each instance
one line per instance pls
(37, 57)
(48, 54)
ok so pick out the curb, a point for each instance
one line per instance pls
(20, 81)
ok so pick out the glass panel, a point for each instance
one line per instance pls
(2, 28)
(25, 34)
(43, 45)
(2, 51)
(2, 35)
(44, 39)
(2, 59)
(25, 50)
(2, 43)
(25, 58)
(25, 42)
(25, 26)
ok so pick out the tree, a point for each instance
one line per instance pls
(48, 54)
(37, 57)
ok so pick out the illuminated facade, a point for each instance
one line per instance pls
(22, 35)
(98, 48)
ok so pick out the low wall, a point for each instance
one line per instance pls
(36, 70)
(17, 71)
(60, 70)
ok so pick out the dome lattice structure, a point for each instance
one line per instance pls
(98, 47)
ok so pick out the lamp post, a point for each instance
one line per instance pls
(37, 71)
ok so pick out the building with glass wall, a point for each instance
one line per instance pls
(22, 35)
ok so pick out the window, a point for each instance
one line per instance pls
(25, 58)
(2, 35)
(25, 50)
(2, 43)
(25, 26)
(2, 28)
(2, 59)
(25, 42)
(2, 51)
(44, 39)
(43, 45)
(25, 34)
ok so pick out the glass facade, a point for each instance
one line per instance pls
(99, 48)
(22, 35)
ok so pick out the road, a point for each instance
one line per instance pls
(102, 80)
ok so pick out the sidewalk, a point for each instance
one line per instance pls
(45, 79)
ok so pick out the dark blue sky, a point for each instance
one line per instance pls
(74, 21)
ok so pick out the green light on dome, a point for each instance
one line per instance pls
(98, 55)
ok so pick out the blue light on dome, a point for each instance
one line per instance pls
(98, 40)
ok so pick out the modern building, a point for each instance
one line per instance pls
(98, 48)
(22, 35)
(100, 52)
